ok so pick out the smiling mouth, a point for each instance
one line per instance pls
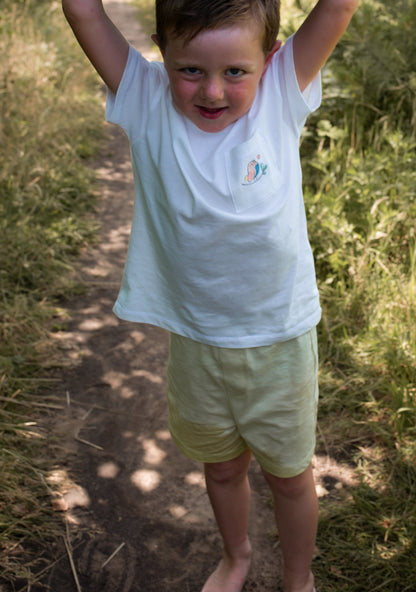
(210, 113)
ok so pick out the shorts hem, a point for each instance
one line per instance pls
(205, 458)
(284, 472)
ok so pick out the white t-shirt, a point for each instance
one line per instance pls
(218, 250)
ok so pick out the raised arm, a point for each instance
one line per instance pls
(318, 35)
(101, 41)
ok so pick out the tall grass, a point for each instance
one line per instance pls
(359, 156)
(50, 122)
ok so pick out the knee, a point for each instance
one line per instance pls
(228, 471)
(290, 487)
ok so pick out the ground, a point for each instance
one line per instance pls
(136, 510)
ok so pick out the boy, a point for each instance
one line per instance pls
(219, 253)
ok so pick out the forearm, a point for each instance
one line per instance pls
(331, 17)
(101, 41)
(319, 34)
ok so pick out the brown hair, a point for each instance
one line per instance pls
(187, 18)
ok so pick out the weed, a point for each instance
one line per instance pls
(359, 171)
(50, 122)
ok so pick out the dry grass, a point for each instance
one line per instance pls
(50, 121)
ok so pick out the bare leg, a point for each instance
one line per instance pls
(296, 509)
(229, 493)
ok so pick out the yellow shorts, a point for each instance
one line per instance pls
(223, 401)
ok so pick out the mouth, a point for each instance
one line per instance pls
(209, 113)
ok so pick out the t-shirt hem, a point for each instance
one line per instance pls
(233, 342)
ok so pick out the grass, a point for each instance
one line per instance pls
(50, 122)
(359, 163)
(25, 521)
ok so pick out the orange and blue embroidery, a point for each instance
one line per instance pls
(255, 170)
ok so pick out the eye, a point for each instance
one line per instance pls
(191, 71)
(235, 72)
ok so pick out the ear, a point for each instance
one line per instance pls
(155, 40)
(276, 46)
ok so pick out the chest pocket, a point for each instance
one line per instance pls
(253, 173)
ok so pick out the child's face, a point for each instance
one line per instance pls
(214, 78)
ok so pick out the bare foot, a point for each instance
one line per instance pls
(230, 574)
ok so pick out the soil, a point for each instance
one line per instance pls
(136, 511)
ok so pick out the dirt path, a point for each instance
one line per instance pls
(120, 482)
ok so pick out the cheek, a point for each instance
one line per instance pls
(182, 90)
(242, 94)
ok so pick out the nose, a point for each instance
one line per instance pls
(213, 89)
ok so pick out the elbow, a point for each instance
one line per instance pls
(78, 10)
(350, 6)
(341, 10)
(69, 9)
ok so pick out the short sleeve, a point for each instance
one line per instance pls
(300, 104)
(141, 85)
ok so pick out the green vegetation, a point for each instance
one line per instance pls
(359, 157)
(50, 122)
(359, 162)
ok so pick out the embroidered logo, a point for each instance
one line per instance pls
(255, 170)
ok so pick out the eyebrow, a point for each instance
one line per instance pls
(182, 63)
